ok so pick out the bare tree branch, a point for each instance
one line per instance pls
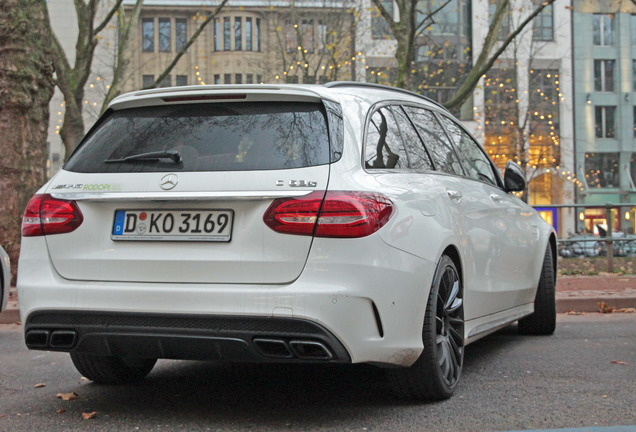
(484, 63)
(107, 18)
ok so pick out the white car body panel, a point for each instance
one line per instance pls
(6, 278)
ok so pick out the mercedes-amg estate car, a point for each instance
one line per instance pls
(337, 223)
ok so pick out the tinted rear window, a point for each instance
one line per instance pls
(209, 137)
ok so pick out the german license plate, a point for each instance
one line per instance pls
(173, 225)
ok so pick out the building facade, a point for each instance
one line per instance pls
(604, 58)
(248, 42)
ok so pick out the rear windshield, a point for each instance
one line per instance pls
(207, 137)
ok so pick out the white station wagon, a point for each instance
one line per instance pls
(344, 223)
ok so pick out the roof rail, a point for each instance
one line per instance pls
(333, 84)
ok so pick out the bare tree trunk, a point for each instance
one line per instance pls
(26, 87)
(72, 79)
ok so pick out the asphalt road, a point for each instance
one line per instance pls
(583, 376)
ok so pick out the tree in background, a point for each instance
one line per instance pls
(26, 87)
(315, 45)
(416, 17)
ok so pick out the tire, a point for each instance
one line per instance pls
(112, 370)
(435, 374)
(543, 320)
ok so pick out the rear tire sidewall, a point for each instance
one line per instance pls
(440, 386)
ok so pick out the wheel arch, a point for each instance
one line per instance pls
(552, 241)
(453, 253)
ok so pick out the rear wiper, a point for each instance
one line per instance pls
(173, 155)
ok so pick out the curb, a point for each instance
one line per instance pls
(590, 304)
(10, 316)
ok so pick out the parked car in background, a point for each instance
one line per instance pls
(344, 223)
(5, 278)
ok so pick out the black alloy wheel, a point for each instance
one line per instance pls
(449, 326)
(435, 374)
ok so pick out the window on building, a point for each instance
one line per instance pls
(380, 29)
(257, 35)
(238, 79)
(249, 79)
(321, 37)
(147, 80)
(238, 33)
(217, 79)
(604, 75)
(248, 34)
(181, 80)
(544, 149)
(217, 35)
(259, 79)
(452, 20)
(181, 33)
(504, 30)
(166, 82)
(164, 35)
(602, 170)
(227, 79)
(291, 36)
(292, 79)
(227, 34)
(605, 121)
(307, 32)
(543, 24)
(148, 34)
(603, 29)
(632, 165)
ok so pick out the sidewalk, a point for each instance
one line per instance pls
(574, 293)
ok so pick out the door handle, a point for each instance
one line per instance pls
(454, 195)
(496, 198)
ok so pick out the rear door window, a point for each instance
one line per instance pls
(476, 162)
(435, 140)
(419, 158)
(208, 137)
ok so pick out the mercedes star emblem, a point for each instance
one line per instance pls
(169, 181)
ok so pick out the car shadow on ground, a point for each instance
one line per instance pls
(276, 395)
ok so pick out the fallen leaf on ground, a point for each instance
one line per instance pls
(619, 362)
(88, 416)
(39, 385)
(625, 310)
(68, 396)
(604, 308)
(60, 411)
(571, 312)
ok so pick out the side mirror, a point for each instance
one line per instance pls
(514, 178)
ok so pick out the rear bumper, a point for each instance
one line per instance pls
(188, 337)
(360, 308)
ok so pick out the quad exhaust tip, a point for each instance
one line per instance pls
(53, 339)
(300, 349)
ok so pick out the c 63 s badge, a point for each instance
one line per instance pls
(298, 183)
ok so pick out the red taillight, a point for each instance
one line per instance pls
(46, 215)
(340, 214)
